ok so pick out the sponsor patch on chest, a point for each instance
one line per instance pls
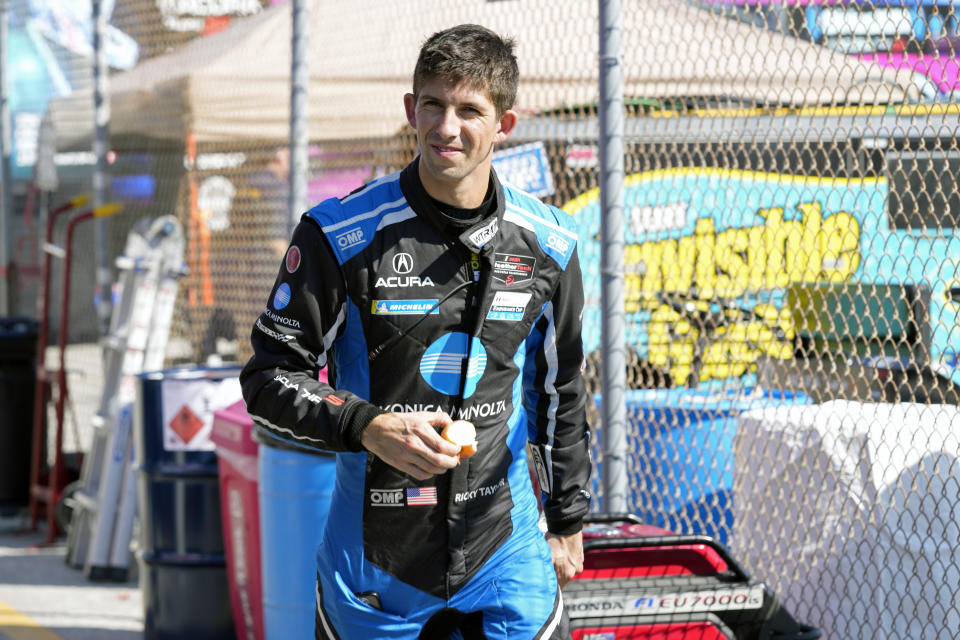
(509, 306)
(386, 497)
(394, 282)
(409, 497)
(404, 307)
(512, 270)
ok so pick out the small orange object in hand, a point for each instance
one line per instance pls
(463, 433)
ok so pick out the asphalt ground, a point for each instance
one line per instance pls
(43, 598)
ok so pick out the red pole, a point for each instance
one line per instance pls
(51, 493)
(58, 472)
(40, 389)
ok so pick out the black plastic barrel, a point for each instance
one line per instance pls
(182, 561)
(18, 373)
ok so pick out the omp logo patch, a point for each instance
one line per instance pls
(442, 364)
(558, 242)
(350, 238)
(386, 497)
(282, 297)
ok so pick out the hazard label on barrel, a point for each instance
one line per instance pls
(186, 424)
(188, 407)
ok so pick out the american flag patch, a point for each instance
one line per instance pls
(421, 495)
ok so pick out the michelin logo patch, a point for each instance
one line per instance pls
(509, 306)
(404, 307)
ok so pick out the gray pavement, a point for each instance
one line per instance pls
(42, 598)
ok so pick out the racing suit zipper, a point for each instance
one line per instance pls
(456, 515)
(474, 304)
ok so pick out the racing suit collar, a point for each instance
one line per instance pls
(477, 237)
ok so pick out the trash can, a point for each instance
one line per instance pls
(295, 486)
(18, 373)
(183, 577)
(240, 516)
(681, 441)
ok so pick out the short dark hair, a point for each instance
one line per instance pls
(473, 54)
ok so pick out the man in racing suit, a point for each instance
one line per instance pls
(433, 294)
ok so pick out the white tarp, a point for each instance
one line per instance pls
(851, 512)
(234, 85)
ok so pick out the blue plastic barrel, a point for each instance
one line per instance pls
(294, 489)
(182, 563)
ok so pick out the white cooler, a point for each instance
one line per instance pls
(850, 511)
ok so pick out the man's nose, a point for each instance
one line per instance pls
(449, 123)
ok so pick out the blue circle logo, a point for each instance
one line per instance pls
(282, 297)
(442, 364)
(950, 357)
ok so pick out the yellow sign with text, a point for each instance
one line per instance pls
(703, 286)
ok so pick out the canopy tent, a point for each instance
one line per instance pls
(234, 85)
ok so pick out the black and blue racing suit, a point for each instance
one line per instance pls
(413, 313)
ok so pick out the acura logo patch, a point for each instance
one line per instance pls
(402, 263)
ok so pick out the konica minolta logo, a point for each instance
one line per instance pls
(442, 363)
(288, 322)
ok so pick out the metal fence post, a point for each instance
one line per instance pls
(101, 118)
(299, 93)
(610, 111)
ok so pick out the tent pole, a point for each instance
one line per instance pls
(299, 90)
(6, 189)
(613, 372)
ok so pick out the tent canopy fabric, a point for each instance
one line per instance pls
(235, 85)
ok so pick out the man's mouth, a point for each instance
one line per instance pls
(445, 151)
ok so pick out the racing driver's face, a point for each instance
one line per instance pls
(457, 127)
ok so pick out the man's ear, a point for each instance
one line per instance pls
(508, 122)
(410, 104)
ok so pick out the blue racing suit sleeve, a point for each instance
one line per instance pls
(554, 398)
(292, 341)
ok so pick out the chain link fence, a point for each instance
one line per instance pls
(791, 245)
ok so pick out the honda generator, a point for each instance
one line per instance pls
(641, 582)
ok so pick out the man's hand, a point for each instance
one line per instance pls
(410, 442)
(567, 555)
